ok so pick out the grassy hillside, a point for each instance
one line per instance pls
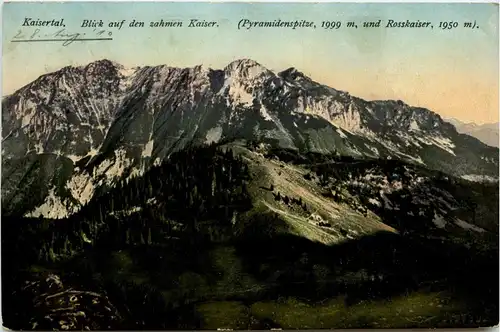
(239, 237)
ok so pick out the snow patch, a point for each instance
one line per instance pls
(27, 117)
(74, 158)
(92, 152)
(126, 72)
(81, 187)
(341, 133)
(148, 149)
(467, 226)
(157, 162)
(439, 221)
(479, 178)
(39, 148)
(441, 142)
(135, 172)
(416, 159)
(414, 125)
(52, 208)
(373, 149)
(237, 92)
(265, 113)
(214, 135)
(113, 169)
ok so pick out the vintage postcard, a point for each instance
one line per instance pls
(171, 166)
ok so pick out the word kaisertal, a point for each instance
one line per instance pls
(29, 22)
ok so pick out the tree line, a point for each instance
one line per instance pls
(192, 186)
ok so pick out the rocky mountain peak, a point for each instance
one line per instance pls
(103, 65)
(291, 74)
(246, 69)
(132, 116)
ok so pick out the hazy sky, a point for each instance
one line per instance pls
(452, 72)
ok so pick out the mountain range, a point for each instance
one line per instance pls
(486, 133)
(160, 197)
(77, 131)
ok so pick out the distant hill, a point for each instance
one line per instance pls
(486, 133)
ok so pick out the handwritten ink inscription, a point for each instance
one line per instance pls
(62, 35)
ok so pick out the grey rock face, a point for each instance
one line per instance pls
(101, 122)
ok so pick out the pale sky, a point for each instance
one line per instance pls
(452, 72)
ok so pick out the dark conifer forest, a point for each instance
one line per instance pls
(187, 246)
